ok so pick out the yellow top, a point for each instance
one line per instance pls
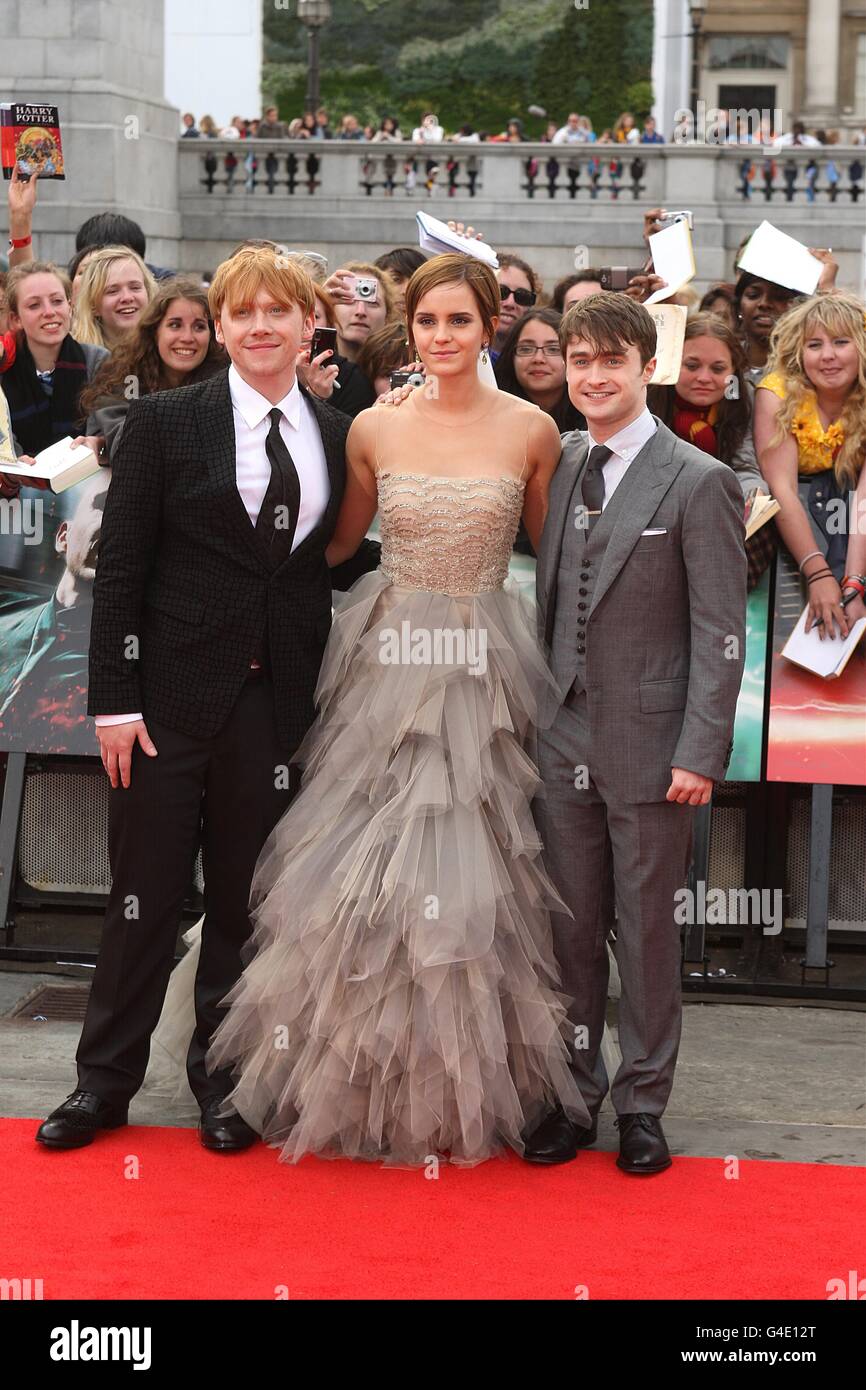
(816, 447)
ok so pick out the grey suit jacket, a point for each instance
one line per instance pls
(665, 636)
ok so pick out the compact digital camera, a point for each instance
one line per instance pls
(406, 378)
(366, 287)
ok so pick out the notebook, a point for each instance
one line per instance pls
(827, 658)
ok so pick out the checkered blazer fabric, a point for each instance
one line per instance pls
(185, 595)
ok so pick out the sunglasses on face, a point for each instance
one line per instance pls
(523, 297)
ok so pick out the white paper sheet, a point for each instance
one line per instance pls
(673, 259)
(436, 237)
(781, 259)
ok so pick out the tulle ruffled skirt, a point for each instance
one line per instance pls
(399, 999)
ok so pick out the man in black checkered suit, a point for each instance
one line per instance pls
(212, 606)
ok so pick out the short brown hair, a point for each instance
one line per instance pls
(610, 322)
(450, 269)
(561, 288)
(238, 280)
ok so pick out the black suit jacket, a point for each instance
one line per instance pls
(185, 595)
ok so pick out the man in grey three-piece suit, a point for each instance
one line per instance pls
(642, 595)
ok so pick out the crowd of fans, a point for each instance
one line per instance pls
(577, 129)
(773, 383)
(733, 129)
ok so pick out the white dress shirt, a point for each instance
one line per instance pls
(625, 445)
(300, 433)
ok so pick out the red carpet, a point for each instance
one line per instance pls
(200, 1225)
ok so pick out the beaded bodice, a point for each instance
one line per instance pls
(447, 535)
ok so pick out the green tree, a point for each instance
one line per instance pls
(481, 61)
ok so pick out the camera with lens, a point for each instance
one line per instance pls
(406, 378)
(670, 219)
(366, 287)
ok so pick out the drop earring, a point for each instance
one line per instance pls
(484, 358)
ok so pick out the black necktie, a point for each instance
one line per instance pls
(278, 514)
(592, 485)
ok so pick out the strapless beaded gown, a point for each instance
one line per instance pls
(400, 1000)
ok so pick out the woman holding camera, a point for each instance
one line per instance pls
(331, 375)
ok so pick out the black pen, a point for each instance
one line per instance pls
(819, 622)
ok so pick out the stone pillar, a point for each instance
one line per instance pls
(822, 61)
(101, 63)
(671, 62)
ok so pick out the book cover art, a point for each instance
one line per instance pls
(30, 134)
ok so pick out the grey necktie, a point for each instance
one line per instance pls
(592, 484)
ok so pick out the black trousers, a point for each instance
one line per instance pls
(225, 793)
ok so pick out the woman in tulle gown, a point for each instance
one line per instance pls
(399, 999)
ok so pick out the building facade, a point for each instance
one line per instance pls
(805, 59)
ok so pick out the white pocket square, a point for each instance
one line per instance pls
(655, 531)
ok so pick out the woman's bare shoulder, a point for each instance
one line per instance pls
(363, 435)
(518, 406)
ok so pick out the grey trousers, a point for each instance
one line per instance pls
(603, 853)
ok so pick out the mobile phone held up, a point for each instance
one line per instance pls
(323, 338)
(618, 277)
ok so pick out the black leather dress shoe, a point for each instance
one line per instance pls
(642, 1145)
(557, 1139)
(225, 1135)
(78, 1120)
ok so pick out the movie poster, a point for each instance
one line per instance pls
(49, 545)
(747, 754)
(817, 728)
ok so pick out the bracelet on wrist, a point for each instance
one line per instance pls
(811, 556)
(17, 243)
(855, 583)
(822, 574)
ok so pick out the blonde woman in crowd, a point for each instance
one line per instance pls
(810, 435)
(116, 288)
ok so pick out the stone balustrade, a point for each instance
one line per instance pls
(353, 198)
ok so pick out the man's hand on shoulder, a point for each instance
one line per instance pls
(689, 788)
